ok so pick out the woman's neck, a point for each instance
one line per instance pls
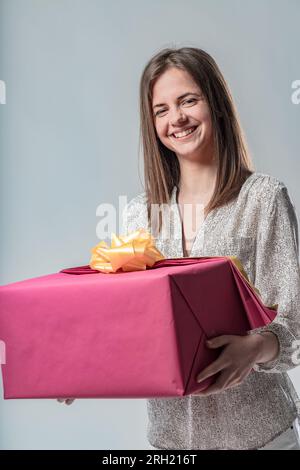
(197, 182)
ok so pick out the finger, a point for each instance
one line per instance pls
(238, 379)
(226, 380)
(218, 386)
(212, 369)
(219, 341)
(60, 400)
(69, 401)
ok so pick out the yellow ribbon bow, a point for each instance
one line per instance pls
(240, 267)
(132, 252)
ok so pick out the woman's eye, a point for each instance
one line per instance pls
(159, 112)
(189, 101)
(163, 110)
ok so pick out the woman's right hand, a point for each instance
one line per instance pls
(66, 401)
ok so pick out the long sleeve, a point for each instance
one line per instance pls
(277, 276)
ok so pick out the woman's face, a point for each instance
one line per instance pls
(176, 114)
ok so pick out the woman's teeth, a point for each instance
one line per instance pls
(184, 133)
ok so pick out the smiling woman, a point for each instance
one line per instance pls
(195, 155)
(180, 92)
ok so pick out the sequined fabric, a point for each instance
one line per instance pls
(260, 228)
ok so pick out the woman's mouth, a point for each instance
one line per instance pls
(184, 135)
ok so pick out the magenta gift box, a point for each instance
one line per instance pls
(134, 334)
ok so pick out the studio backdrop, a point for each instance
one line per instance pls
(69, 141)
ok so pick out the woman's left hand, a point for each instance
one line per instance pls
(236, 360)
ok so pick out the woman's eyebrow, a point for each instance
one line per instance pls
(179, 98)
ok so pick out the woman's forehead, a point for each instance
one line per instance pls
(173, 85)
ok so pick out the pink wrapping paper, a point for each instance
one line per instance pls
(123, 335)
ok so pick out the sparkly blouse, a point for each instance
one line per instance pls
(259, 227)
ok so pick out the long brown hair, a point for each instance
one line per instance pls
(161, 166)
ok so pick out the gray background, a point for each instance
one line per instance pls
(69, 141)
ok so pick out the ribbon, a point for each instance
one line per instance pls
(132, 252)
(240, 267)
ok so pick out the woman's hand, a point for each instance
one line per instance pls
(237, 359)
(67, 401)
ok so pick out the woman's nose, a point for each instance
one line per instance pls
(177, 116)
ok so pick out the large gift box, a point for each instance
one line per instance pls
(127, 334)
